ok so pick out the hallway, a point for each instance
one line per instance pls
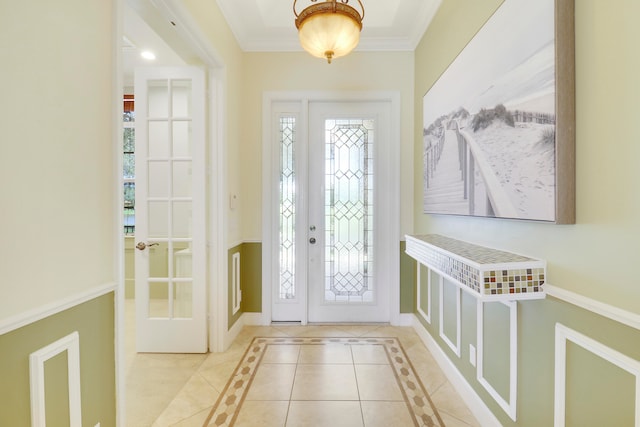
(293, 382)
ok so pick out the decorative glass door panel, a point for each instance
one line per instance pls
(170, 255)
(287, 203)
(348, 208)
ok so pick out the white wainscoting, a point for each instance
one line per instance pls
(426, 315)
(475, 404)
(509, 406)
(26, 318)
(455, 346)
(564, 334)
(235, 282)
(70, 344)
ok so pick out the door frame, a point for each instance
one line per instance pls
(216, 183)
(304, 98)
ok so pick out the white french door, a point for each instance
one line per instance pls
(170, 210)
(335, 242)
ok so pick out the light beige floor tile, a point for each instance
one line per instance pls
(326, 353)
(324, 414)
(152, 383)
(281, 353)
(369, 354)
(386, 414)
(314, 331)
(359, 330)
(194, 397)
(325, 382)
(196, 420)
(377, 382)
(218, 374)
(272, 382)
(262, 414)
(451, 421)
(448, 400)
(430, 375)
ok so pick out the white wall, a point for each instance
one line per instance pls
(57, 168)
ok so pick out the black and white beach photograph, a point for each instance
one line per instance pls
(490, 122)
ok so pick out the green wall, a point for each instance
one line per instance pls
(94, 321)
(590, 258)
(407, 280)
(250, 280)
(596, 389)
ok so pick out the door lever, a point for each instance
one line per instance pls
(312, 240)
(142, 245)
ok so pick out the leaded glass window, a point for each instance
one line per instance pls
(287, 208)
(349, 211)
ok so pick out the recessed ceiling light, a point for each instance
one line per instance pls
(147, 54)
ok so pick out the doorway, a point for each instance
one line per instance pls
(331, 215)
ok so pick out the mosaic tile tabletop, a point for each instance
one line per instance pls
(489, 273)
(422, 411)
(475, 253)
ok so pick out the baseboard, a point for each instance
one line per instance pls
(232, 333)
(405, 319)
(480, 411)
(252, 319)
(39, 313)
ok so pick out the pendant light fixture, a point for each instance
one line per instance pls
(330, 28)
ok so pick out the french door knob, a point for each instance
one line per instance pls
(142, 245)
(312, 240)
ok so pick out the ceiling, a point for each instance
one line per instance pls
(268, 25)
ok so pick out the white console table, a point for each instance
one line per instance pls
(488, 274)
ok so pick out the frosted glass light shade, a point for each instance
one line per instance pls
(329, 30)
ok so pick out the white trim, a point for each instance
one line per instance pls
(405, 319)
(251, 319)
(509, 406)
(564, 334)
(478, 408)
(235, 282)
(233, 332)
(454, 347)
(425, 315)
(217, 191)
(614, 313)
(42, 312)
(70, 344)
(119, 235)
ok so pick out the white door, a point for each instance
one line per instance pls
(170, 210)
(336, 240)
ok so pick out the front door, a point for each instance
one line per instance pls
(334, 210)
(170, 210)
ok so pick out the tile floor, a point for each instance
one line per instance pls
(358, 382)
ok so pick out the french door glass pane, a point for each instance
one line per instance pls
(287, 208)
(158, 102)
(158, 139)
(349, 211)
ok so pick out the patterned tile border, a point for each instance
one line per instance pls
(227, 407)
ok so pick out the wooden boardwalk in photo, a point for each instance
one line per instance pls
(445, 193)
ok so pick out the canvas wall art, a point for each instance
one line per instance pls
(499, 122)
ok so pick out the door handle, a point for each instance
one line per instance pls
(142, 245)
(312, 240)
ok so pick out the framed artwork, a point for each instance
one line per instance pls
(499, 123)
